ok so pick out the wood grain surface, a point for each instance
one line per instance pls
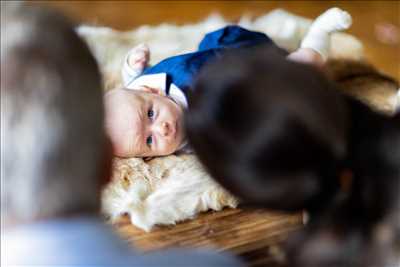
(253, 235)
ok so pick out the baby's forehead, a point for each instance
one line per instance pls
(123, 108)
(124, 119)
(124, 95)
(123, 101)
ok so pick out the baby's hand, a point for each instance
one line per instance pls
(138, 57)
(334, 19)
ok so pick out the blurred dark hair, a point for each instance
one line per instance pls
(53, 142)
(374, 157)
(270, 130)
(278, 134)
(362, 228)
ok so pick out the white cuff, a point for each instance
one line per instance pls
(127, 72)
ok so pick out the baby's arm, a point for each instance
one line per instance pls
(135, 62)
(315, 45)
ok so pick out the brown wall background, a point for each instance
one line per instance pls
(367, 16)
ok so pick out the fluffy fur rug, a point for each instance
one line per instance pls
(175, 188)
(164, 190)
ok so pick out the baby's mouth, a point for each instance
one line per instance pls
(176, 129)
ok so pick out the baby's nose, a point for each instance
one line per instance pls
(165, 129)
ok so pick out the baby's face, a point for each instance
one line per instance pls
(143, 124)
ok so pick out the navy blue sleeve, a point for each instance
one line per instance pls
(182, 69)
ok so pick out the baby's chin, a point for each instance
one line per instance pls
(131, 154)
(122, 153)
(166, 152)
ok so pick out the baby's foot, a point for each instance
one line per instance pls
(334, 19)
(138, 58)
(318, 36)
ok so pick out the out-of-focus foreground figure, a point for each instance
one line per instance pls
(54, 151)
(299, 143)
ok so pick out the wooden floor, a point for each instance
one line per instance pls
(250, 234)
(254, 236)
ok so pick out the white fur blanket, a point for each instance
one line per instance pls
(175, 188)
(164, 190)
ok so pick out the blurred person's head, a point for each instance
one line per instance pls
(362, 228)
(52, 138)
(143, 123)
(270, 130)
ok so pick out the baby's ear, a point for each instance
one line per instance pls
(151, 90)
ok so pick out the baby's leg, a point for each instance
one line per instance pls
(135, 62)
(315, 45)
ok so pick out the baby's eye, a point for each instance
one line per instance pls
(150, 113)
(149, 140)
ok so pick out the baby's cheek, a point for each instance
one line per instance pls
(119, 149)
(168, 148)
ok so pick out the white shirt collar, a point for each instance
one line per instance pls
(178, 96)
(158, 81)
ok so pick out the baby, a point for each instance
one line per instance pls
(145, 118)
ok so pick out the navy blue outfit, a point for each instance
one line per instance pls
(181, 69)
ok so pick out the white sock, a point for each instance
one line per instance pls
(318, 36)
